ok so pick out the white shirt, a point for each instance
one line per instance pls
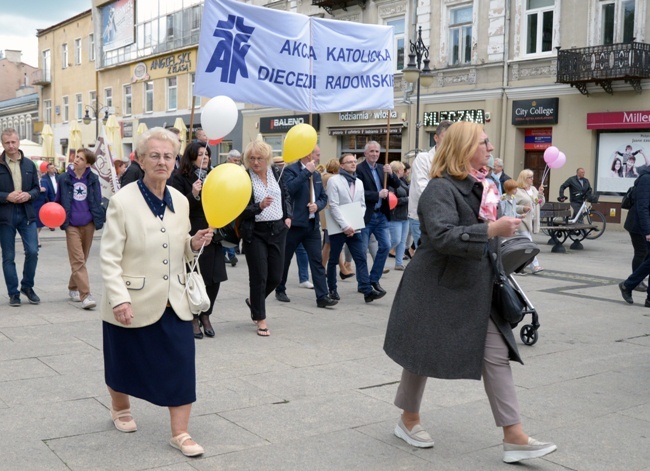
(419, 180)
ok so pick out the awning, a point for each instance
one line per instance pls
(365, 130)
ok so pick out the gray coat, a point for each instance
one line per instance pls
(438, 322)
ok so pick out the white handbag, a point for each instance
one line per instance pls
(197, 296)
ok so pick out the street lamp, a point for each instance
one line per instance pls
(96, 111)
(414, 72)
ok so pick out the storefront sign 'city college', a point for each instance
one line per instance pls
(532, 112)
(433, 118)
(277, 58)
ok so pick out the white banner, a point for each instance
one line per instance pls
(274, 58)
(104, 167)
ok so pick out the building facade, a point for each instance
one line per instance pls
(535, 73)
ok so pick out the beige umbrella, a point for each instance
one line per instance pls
(114, 137)
(48, 141)
(141, 129)
(75, 137)
(180, 125)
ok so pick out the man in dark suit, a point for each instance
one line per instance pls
(51, 182)
(308, 196)
(498, 171)
(579, 190)
(377, 211)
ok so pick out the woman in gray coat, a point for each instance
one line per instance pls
(442, 323)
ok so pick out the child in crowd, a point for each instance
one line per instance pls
(508, 203)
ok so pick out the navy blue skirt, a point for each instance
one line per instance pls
(154, 363)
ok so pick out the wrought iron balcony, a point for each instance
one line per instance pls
(331, 5)
(41, 77)
(604, 64)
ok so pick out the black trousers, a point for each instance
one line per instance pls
(640, 250)
(309, 237)
(265, 260)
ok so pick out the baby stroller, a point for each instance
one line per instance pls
(516, 253)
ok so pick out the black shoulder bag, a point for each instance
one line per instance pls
(505, 298)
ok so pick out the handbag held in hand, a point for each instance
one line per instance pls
(197, 296)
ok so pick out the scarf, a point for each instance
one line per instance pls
(490, 198)
(350, 177)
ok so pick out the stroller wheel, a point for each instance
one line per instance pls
(528, 334)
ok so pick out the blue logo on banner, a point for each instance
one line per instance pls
(230, 53)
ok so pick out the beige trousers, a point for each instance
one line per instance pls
(79, 239)
(497, 380)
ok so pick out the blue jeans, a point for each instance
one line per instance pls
(378, 226)
(29, 235)
(359, 255)
(640, 273)
(399, 231)
(229, 252)
(415, 231)
(302, 259)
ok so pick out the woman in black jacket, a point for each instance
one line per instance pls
(263, 229)
(195, 165)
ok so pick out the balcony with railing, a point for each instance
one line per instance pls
(41, 77)
(330, 5)
(602, 65)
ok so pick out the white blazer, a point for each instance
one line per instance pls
(338, 194)
(142, 257)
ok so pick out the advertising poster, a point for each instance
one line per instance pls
(620, 158)
(118, 24)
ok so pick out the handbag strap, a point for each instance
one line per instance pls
(194, 264)
(494, 259)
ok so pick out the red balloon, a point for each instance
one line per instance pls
(52, 215)
(214, 142)
(43, 167)
(392, 200)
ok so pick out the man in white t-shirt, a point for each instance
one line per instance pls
(420, 170)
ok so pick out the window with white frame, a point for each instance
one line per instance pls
(460, 35)
(148, 97)
(66, 109)
(399, 40)
(47, 63)
(538, 26)
(80, 106)
(616, 21)
(127, 108)
(197, 99)
(91, 47)
(108, 98)
(77, 51)
(172, 89)
(93, 103)
(64, 56)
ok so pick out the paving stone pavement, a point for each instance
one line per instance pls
(318, 393)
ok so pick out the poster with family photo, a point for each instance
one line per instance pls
(620, 158)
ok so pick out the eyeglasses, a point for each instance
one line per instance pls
(349, 162)
(486, 142)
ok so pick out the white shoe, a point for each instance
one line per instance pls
(417, 437)
(535, 449)
(88, 303)
(74, 296)
(306, 284)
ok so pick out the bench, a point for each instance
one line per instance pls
(554, 218)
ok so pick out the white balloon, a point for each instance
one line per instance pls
(219, 117)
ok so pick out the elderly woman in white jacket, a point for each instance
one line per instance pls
(529, 201)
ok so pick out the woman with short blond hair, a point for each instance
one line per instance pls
(529, 201)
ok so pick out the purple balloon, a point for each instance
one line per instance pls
(550, 154)
(559, 162)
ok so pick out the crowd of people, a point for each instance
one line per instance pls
(445, 217)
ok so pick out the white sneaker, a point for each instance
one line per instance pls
(306, 284)
(74, 296)
(535, 449)
(88, 303)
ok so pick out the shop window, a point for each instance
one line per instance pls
(460, 35)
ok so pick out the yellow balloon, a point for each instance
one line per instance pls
(226, 192)
(300, 142)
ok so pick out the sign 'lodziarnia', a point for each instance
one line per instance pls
(274, 58)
